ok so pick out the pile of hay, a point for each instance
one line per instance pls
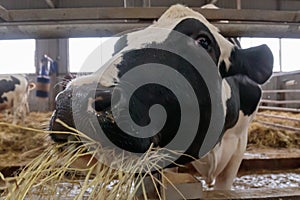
(52, 175)
(266, 136)
(50, 171)
(18, 146)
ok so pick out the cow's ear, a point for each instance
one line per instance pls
(31, 86)
(254, 62)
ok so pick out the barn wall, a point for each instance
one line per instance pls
(282, 81)
(270, 85)
(290, 81)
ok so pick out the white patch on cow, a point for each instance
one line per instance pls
(221, 164)
(210, 6)
(107, 79)
(110, 76)
(226, 48)
(226, 94)
(140, 39)
(159, 31)
(17, 100)
(177, 13)
(173, 16)
(82, 80)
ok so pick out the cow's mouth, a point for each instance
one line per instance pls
(94, 117)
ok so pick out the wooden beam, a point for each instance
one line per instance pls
(281, 91)
(96, 28)
(279, 109)
(289, 193)
(277, 30)
(280, 101)
(279, 117)
(4, 14)
(99, 22)
(61, 14)
(51, 30)
(150, 13)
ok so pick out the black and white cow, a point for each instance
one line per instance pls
(14, 91)
(241, 72)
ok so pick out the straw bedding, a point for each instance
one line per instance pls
(53, 175)
(50, 174)
(266, 136)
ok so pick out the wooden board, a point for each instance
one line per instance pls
(104, 22)
(149, 13)
(257, 194)
(180, 185)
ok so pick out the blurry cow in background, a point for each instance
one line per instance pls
(14, 91)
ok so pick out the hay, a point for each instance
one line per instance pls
(52, 176)
(19, 146)
(265, 136)
(49, 173)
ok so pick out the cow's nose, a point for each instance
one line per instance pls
(62, 112)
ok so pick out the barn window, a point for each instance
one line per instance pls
(290, 54)
(88, 54)
(285, 51)
(17, 56)
(273, 44)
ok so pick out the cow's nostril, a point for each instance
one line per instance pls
(100, 105)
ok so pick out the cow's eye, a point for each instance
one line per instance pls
(203, 41)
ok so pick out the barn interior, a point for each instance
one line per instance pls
(56, 31)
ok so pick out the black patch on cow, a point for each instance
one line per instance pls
(250, 94)
(196, 29)
(7, 86)
(63, 111)
(245, 96)
(223, 70)
(254, 62)
(157, 94)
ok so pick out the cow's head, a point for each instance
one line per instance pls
(137, 48)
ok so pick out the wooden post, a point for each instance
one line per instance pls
(180, 186)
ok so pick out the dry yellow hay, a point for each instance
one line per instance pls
(49, 174)
(45, 177)
(19, 146)
(265, 136)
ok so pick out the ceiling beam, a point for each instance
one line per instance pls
(47, 30)
(97, 22)
(149, 13)
(4, 14)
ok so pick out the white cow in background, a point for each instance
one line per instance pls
(14, 91)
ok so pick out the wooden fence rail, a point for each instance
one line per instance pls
(280, 91)
(279, 126)
(279, 109)
(280, 101)
(279, 117)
